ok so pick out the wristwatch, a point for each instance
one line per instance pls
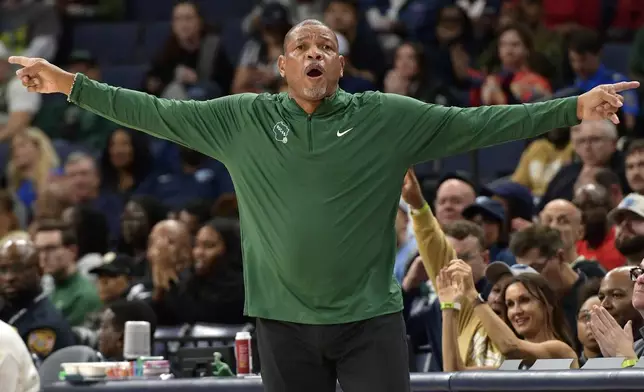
(478, 300)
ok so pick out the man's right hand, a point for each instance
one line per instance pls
(40, 76)
(411, 192)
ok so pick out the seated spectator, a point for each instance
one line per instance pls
(589, 346)
(84, 188)
(616, 296)
(628, 218)
(73, 294)
(193, 63)
(599, 234)
(257, 68)
(536, 326)
(516, 82)
(17, 370)
(33, 162)
(18, 105)
(213, 290)
(111, 335)
(61, 119)
(406, 249)
(490, 215)
(298, 10)
(595, 143)
(199, 178)
(541, 248)
(29, 28)
(453, 194)
(367, 57)
(436, 250)
(516, 199)
(542, 159)
(26, 307)
(452, 48)
(567, 219)
(409, 77)
(114, 283)
(126, 162)
(350, 83)
(195, 214)
(584, 53)
(604, 178)
(140, 215)
(634, 162)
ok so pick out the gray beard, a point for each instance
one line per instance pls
(317, 93)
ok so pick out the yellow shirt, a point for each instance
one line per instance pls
(539, 163)
(475, 348)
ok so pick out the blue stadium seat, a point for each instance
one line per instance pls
(154, 37)
(233, 40)
(109, 43)
(218, 11)
(147, 11)
(500, 160)
(615, 56)
(128, 76)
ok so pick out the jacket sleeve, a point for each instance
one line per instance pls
(209, 127)
(423, 131)
(435, 251)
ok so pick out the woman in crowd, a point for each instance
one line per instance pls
(139, 216)
(589, 346)
(125, 162)
(32, 163)
(192, 63)
(515, 82)
(533, 326)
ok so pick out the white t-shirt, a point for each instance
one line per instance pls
(16, 98)
(17, 370)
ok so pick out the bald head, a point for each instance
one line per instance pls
(564, 216)
(308, 23)
(616, 292)
(20, 251)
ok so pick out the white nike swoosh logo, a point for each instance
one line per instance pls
(340, 134)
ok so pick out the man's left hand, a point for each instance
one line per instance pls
(603, 102)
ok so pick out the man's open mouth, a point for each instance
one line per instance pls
(314, 71)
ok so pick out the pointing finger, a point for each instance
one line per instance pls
(20, 60)
(623, 86)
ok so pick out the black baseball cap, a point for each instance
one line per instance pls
(457, 175)
(114, 264)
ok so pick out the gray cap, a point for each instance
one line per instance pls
(497, 269)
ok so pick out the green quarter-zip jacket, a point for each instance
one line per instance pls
(318, 193)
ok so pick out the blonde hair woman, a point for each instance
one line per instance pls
(33, 159)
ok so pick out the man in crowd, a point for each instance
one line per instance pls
(453, 194)
(628, 218)
(309, 170)
(616, 296)
(111, 335)
(595, 142)
(74, 294)
(23, 304)
(634, 158)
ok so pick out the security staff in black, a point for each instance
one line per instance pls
(23, 303)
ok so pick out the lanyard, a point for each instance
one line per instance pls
(22, 311)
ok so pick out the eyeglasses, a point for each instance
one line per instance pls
(636, 272)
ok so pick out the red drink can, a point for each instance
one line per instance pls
(243, 353)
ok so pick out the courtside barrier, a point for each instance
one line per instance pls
(470, 381)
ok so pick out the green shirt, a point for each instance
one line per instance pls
(318, 193)
(76, 297)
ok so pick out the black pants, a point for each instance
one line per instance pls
(369, 355)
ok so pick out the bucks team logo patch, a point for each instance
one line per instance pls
(281, 130)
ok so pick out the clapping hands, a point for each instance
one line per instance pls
(613, 340)
(448, 287)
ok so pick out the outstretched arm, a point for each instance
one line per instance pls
(206, 126)
(425, 131)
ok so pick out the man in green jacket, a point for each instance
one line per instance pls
(318, 174)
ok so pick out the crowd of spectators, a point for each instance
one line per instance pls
(102, 224)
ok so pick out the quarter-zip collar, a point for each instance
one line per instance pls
(338, 100)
